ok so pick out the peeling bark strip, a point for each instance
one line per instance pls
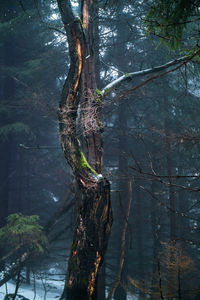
(94, 218)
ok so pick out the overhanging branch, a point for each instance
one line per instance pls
(130, 76)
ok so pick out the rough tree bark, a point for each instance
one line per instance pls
(94, 217)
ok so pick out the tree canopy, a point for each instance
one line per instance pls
(175, 21)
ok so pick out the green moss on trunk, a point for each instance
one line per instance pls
(83, 164)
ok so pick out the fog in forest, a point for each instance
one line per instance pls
(99, 150)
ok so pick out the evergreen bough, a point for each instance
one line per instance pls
(24, 231)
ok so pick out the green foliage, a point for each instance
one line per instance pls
(14, 128)
(169, 19)
(24, 231)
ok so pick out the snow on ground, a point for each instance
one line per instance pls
(53, 290)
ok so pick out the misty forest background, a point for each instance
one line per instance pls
(151, 155)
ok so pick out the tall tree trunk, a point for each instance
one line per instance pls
(120, 292)
(119, 279)
(172, 225)
(171, 198)
(4, 189)
(6, 97)
(155, 227)
(139, 235)
(169, 166)
(94, 217)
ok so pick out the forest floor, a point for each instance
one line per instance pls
(44, 289)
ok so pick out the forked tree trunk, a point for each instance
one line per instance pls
(94, 216)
